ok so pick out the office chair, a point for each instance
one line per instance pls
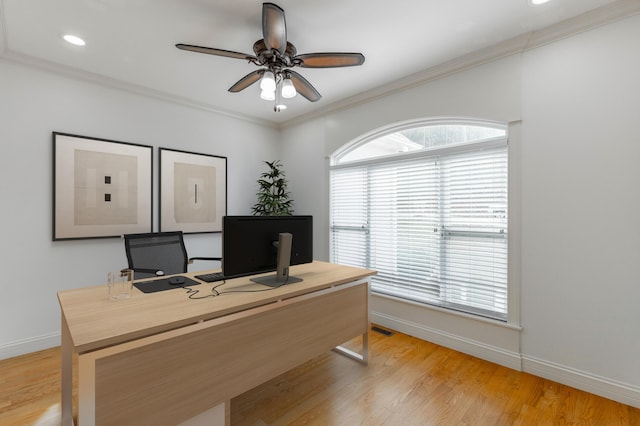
(158, 253)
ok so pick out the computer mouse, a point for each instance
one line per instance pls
(176, 280)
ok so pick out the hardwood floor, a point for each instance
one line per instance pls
(408, 382)
(413, 382)
(30, 388)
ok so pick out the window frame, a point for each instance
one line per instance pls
(407, 125)
(481, 144)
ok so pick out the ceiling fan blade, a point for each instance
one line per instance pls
(330, 60)
(217, 52)
(247, 80)
(274, 27)
(304, 87)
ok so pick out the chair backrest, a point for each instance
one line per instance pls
(156, 251)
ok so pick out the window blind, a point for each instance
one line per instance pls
(433, 226)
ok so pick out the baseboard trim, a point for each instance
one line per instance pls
(34, 344)
(607, 388)
(471, 347)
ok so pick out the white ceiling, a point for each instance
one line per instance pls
(130, 43)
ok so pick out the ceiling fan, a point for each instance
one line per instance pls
(276, 57)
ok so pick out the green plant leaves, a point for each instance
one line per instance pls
(273, 197)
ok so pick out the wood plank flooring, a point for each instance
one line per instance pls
(413, 382)
(408, 382)
(30, 388)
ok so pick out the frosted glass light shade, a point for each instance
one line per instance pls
(288, 91)
(268, 82)
(268, 95)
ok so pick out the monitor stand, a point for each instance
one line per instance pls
(273, 281)
(281, 277)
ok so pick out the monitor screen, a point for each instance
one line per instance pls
(250, 243)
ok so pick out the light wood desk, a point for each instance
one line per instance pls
(162, 358)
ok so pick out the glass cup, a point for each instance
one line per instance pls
(120, 283)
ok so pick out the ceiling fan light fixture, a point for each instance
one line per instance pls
(268, 95)
(537, 2)
(288, 90)
(268, 82)
(275, 56)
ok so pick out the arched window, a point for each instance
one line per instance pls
(425, 204)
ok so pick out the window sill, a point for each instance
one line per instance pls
(485, 320)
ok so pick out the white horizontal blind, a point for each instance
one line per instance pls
(434, 227)
(349, 237)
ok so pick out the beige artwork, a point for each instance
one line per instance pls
(194, 189)
(105, 188)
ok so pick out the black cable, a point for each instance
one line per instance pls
(214, 290)
(215, 287)
(191, 292)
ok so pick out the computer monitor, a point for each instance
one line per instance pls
(258, 244)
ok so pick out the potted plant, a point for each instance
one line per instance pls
(273, 197)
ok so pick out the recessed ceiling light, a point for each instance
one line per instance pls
(70, 38)
(537, 2)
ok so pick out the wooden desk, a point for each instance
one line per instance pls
(162, 358)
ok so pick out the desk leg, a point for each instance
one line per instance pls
(220, 415)
(66, 347)
(362, 358)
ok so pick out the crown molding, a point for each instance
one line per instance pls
(90, 77)
(604, 15)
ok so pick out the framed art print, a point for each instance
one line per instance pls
(193, 191)
(101, 188)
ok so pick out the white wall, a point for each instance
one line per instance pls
(490, 91)
(306, 166)
(34, 103)
(577, 178)
(580, 204)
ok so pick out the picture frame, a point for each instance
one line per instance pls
(101, 188)
(193, 191)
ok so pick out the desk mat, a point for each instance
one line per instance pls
(152, 286)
